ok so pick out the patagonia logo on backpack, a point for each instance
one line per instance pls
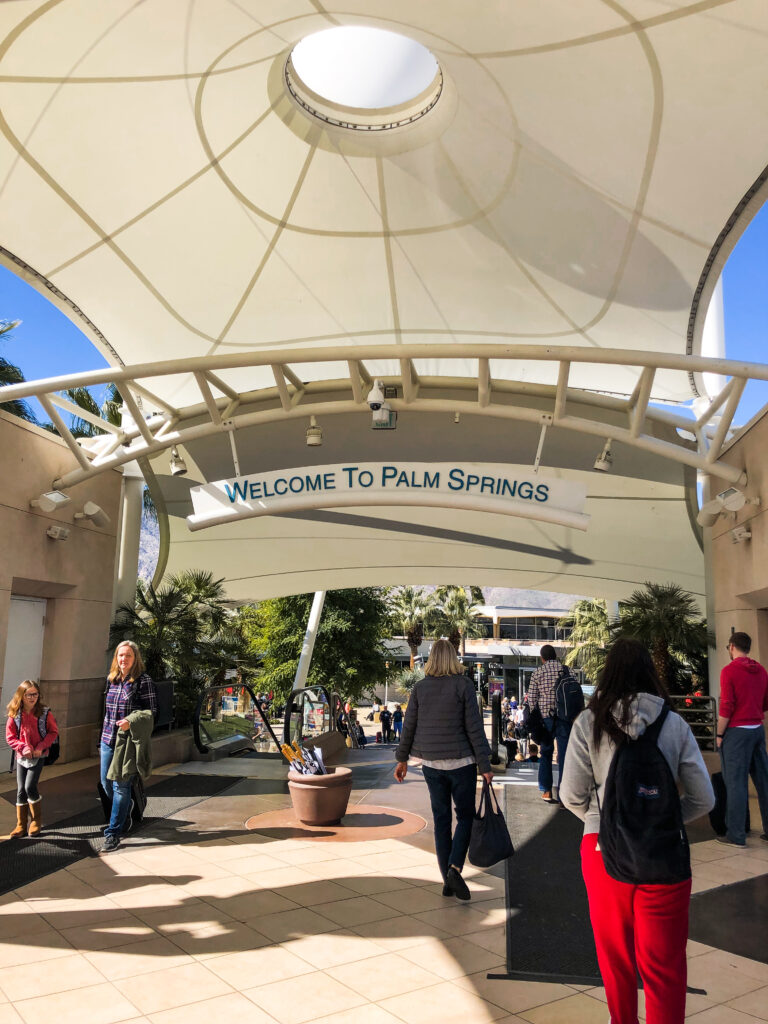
(642, 836)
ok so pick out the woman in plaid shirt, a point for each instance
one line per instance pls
(129, 689)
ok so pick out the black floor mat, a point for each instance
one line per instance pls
(549, 937)
(733, 918)
(70, 840)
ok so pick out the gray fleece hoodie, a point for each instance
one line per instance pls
(586, 764)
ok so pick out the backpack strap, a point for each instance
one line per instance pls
(653, 730)
(42, 724)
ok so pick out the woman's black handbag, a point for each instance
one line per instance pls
(490, 841)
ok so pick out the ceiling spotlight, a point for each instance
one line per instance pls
(50, 501)
(604, 460)
(95, 513)
(178, 465)
(314, 433)
(58, 532)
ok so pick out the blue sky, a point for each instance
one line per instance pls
(47, 343)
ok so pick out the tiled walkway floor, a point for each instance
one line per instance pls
(239, 927)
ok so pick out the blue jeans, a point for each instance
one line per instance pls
(118, 792)
(460, 786)
(556, 729)
(743, 754)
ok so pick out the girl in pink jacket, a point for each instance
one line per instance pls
(30, 732)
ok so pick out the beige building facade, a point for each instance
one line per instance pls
(738, 580)
(62, 588)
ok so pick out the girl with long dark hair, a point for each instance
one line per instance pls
(638, 928)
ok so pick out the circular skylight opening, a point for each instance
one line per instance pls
(364, 78)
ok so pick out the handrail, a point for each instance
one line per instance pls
(701, 715)
(229, 685)
(295, 694)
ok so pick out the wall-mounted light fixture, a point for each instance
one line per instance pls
(50, 501)
(95, 513)
(58, 532)
(740, 533)
(730, 500)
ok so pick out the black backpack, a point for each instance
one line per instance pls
(642, 836)
(569, 696)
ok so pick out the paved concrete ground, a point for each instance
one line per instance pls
(198, 919)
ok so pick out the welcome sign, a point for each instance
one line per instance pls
(486, 487)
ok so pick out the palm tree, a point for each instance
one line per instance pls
(207, 596)
(590, 634)
(411, 610)
(10, 374)
(186, 633)
(458, 616)
(164, 625)
(110, 410)
(665, 618)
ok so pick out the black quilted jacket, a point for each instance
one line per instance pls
(443, 721)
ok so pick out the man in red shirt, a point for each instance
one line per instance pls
(741, 737)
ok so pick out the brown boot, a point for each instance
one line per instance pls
(22, 817)
(36, 811)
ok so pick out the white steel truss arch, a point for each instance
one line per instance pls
(222, 408)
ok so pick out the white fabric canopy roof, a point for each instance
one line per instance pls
(567, 187)
(580, 181)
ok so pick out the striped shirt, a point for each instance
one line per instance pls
(123, 698)
(541, 692)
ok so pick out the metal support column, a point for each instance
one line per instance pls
(309, 640)
(130, 537)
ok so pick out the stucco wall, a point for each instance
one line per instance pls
(740, 570)
(75, 576)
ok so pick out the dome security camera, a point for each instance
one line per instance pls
(375, 397)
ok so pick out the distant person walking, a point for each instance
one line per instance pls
(130, 691)
(741, 737)
(385, 717)
(30, 732)
(443, 727)
(541, 695)
(639, 928)
(397, 722)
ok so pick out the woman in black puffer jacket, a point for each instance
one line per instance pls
(443, 726)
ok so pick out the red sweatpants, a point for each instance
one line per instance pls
(638, 928)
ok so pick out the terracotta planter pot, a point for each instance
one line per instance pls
(321, 799)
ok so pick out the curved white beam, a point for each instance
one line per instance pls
(177, 426)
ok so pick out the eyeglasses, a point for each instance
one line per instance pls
(728, 647)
